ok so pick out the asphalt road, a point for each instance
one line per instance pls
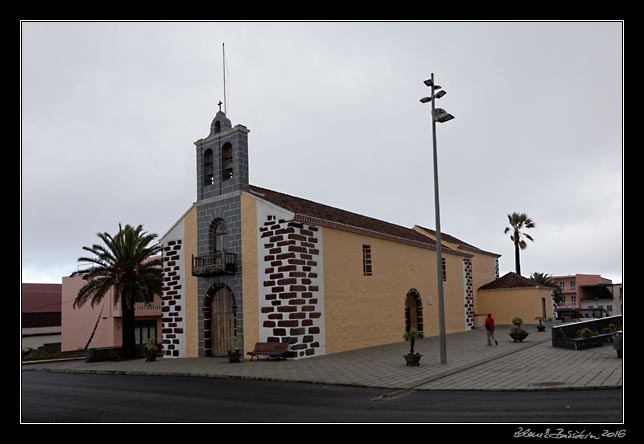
(64, 397)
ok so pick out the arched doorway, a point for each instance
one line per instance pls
(413, 311)
(219, 320)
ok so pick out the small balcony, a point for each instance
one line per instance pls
(214, 264)
(141, 309)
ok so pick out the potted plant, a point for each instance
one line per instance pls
(610, 328)
(235, 354)
(150, 349)
(517, 333)
(90, 355)
(540, 327)
(413, 359)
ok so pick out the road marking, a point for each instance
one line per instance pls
(392, 395)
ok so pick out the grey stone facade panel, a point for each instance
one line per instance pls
(237, 137)
(229, 210)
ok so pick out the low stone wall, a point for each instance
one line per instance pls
(567, 335)
(111, 353)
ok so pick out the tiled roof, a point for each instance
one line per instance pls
(317, 213)
(462, 245)
(510, 280)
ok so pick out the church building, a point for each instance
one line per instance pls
(266, 266)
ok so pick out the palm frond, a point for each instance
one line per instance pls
(94, 290)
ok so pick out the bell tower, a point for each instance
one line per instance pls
(222, 159)
(222, 176)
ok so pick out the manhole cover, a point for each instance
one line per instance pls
(547, 384)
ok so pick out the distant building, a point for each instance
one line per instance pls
(513, 295)
(78, 323)
(618, 298)
(41, 308)
(590, 291)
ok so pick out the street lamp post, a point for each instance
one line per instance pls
(438, 115)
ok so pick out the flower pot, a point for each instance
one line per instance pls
(234, 356)
(519, 336)
(90, 355)
(413, 359)
(150, 356)
(541, 328)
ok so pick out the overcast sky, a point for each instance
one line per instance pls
(110, 112)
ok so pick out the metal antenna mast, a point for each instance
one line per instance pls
(223, 50)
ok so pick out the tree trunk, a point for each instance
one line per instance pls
(129, 340)
(413, 342)
(517, 260)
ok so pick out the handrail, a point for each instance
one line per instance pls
(140, 306)
(213, 264)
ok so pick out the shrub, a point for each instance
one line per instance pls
(609, 329)
(518, 322)
(411, 336)
(150, 346)
(586, 333)
(236, 343)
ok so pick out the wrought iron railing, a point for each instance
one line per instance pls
(214, 264)
(139, 307)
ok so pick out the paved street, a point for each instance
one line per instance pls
(62, 397)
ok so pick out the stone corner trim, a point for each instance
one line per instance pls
(291, 294)
(468, 293)
(172, 325)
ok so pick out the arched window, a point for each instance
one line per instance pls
(227, 161)
(217, 127)
(208, 169)
(219, 234)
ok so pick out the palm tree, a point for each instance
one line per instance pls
(125, 264)
(546, 280)
(519, 221)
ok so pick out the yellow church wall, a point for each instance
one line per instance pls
(483, 272)
(249, 276)
(506, 303)
(191, 292)
(363, 311)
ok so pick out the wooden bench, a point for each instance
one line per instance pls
(271, 349)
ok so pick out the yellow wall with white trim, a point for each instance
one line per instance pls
(250, 271)
(506, 303)
(483, 270)
(363, 311)
(191, 329)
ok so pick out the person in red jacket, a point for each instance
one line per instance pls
(489, 326)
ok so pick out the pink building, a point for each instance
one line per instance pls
(77, 324)
(589, 291)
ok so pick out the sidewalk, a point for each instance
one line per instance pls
(472, 365)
